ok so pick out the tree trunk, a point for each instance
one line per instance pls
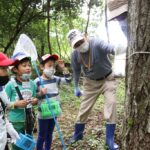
(42, 48)
(88, 19)
(106, 21)
(136, 125)
(48, 26)
(57, 38)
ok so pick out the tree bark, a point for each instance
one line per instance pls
(136, 125)
(106, 22)
(57, 39)
(42, 48)
(48, 26)
(88, 19)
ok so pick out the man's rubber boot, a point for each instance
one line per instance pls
(110, 131)
(78, 133)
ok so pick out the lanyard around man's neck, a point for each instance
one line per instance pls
(88, 65)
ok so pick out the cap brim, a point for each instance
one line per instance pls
(22, 57)
(79, 38)
(18, 59)
(7, 62)
(54, 56)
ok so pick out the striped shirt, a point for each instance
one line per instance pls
(52, 89)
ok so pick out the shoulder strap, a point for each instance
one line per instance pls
(2, 104)
(18, 92)
(14, 83)
(3, 107)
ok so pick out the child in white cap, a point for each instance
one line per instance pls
(24, 99)
(51, 82)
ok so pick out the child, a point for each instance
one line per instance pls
(5, 125)
(51, 82)
(22, 93)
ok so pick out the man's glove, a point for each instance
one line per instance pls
(12, 132)
(77, 92)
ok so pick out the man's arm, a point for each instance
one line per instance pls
(76, 67)
(105, 46)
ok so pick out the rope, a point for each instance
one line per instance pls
(128, 57)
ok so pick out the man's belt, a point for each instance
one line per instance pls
(102, 78)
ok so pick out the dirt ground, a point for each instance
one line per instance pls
(94, 134)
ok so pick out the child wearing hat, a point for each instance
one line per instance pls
(22, 93)
(5, 125)
(47, 110)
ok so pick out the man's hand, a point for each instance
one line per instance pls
(77, 92)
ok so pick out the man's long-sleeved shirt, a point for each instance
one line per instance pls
(95, 63)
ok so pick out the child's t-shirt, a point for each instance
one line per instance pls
(28, 90)
(52, 90)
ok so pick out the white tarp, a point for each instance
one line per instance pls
(119, 64)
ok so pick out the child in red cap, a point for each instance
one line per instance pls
(5, 125)
(51, 82)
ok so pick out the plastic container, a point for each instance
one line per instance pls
(54, 105)
(26, 142)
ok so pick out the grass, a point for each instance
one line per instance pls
(94, 134)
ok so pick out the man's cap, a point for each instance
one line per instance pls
(5, 61)
(49, 56)
(20, 56)
(74, 36)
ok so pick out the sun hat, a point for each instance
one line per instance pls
(74, 36)
(20, 56)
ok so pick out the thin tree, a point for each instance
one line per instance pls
(88, 15)
(48, 26)
(57, 37)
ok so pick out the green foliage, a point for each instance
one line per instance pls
(30, 17)
(15, 16)
(66, 6)
(60, 22)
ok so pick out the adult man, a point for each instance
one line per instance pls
(117, 10)
(90, 55)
